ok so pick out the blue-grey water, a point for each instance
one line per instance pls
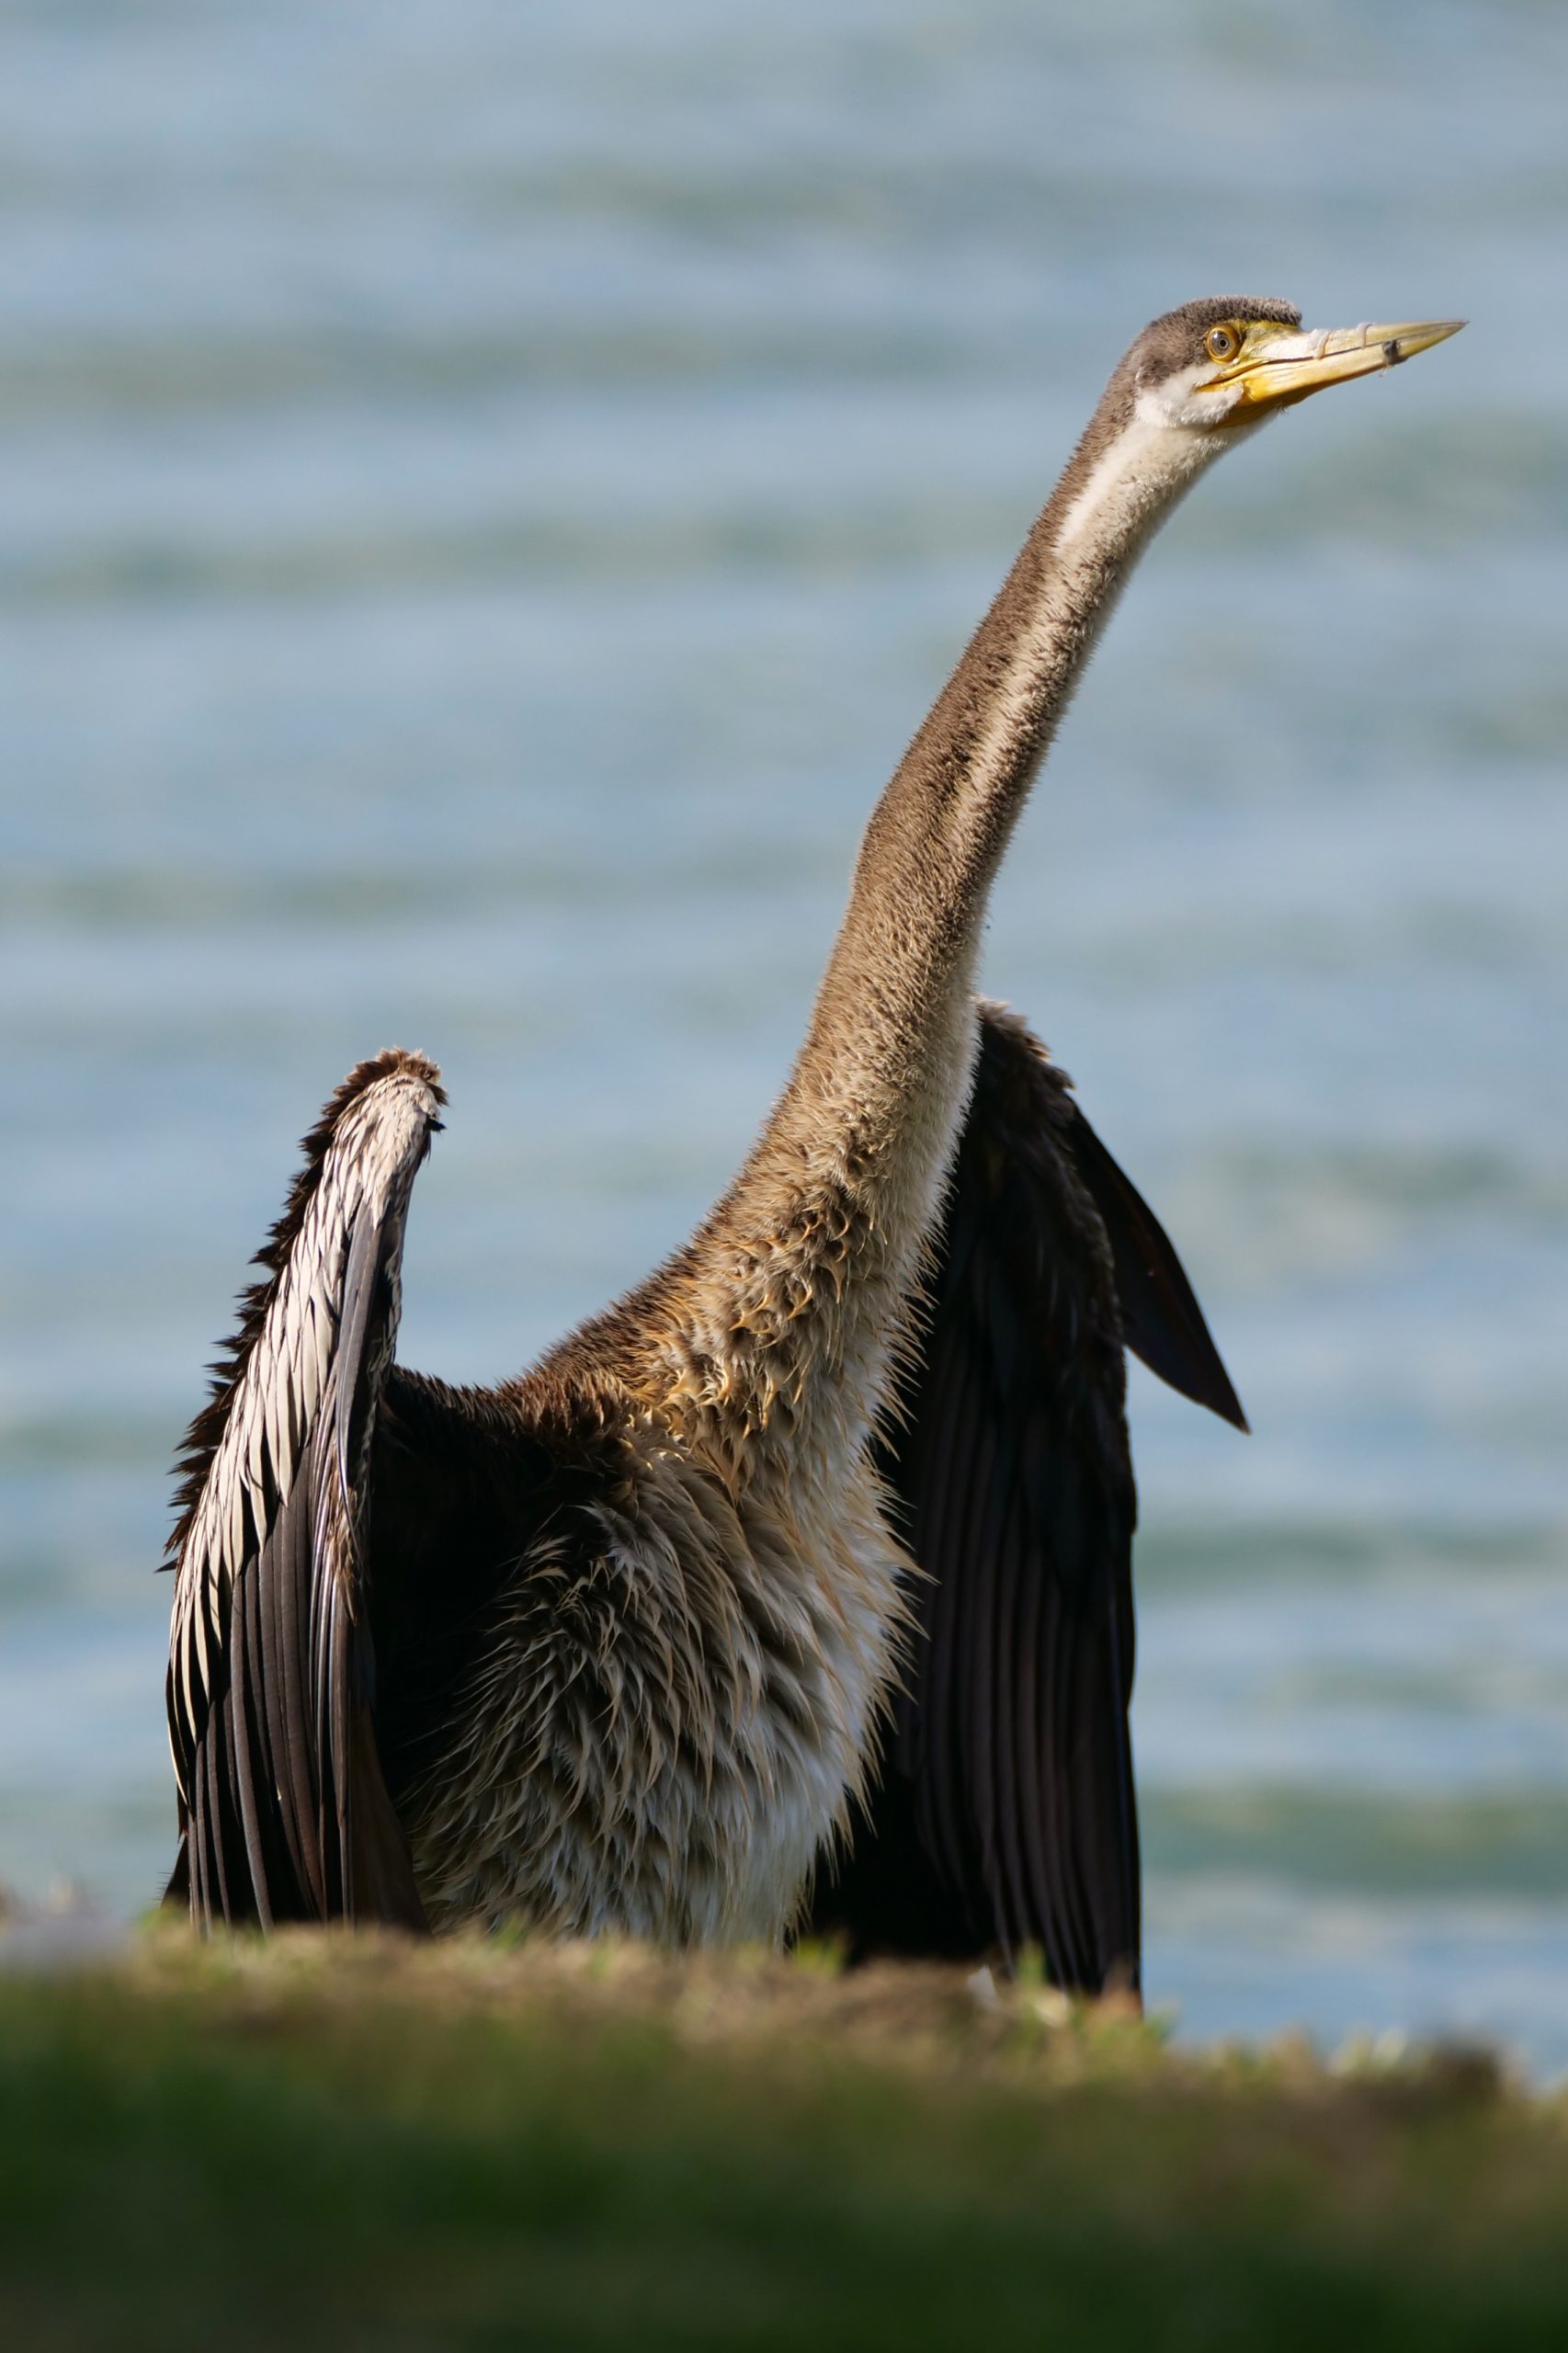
(485, 493)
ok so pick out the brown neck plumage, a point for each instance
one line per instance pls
(910, 933)
(796, 1290)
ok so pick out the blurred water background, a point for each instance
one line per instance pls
(485, 493)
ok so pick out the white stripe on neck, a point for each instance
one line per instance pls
(1138, 478)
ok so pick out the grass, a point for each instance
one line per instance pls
(356, 2142)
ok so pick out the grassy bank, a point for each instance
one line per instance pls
(354, 2143)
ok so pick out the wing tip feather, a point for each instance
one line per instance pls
(194, 1456)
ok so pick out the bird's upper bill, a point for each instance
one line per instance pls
(1276, 365)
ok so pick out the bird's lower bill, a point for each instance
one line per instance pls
(1279, 366)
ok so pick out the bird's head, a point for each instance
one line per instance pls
(1231, 362)
(1192, 385)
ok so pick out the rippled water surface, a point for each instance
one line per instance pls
(486, 493)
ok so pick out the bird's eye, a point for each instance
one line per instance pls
(1223, 343)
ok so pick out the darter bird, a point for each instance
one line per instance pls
(827, 1526)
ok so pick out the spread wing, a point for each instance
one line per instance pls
(284, 1813)
(1005, 1813)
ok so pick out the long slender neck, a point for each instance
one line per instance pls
(907, 947)
(806, 1266)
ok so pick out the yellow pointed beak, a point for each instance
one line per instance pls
(1280, 365)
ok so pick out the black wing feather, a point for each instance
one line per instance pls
(1161, 1320)
(1005, 1813)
